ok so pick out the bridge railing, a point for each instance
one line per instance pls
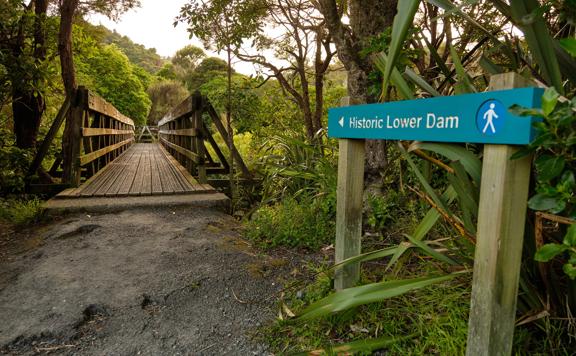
(184, 134)
(98, 134)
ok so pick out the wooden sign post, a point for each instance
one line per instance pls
(474, 118)
(349, 209)
(501, 220)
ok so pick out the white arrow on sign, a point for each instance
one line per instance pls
(341, 121)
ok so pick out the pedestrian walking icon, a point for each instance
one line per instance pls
(490, 118)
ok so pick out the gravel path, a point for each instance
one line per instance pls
(172, 281)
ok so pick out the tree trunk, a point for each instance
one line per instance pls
(67, 12)
(69, 147)
(28, 103)
(368, 18)
(27, 109)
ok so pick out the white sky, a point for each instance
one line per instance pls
(152, 26)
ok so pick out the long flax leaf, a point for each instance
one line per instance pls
(349, 348)
(538, 39)
(424, 182)
(374, 292)
(406, 11)
(470, 161)
(430, 251)
(396, 79)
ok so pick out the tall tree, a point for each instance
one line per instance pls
(207, 70)
(223, 25)
(68, 10)
(367, 19)
(305, 47)
(23, 44)
(164, 95)
(186, 60)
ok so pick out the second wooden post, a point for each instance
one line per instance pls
(349, 210)
(501, 220)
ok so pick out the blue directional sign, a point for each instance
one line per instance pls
(472, 118)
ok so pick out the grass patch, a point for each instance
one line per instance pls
(435, 317)
(307, 224)
(20, 211)
(433, 320)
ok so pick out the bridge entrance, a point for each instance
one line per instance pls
(101, 159)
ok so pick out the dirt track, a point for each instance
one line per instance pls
(142, 282)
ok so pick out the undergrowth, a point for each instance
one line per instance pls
(430, 321)
(433, 321)
(20, 212)
(307, 223)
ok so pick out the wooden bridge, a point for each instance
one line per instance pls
(101, 159)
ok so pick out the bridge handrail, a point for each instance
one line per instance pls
(179, 132)
(98, 104)
(183, 134)
(186, 107)
(99, 134)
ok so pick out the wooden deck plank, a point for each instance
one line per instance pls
(144, 169)
(92, 184)
(132, 159)
(170, 184)
(116, 174)
(155, 175)
(117, 168)
(108, 173)
(144, 174)
(129, 176)
(185, 179)
(136, 188)
(147, 182)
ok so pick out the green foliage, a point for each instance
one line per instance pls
(381, 210)
(569, 45)
(556, 157)
(109, 72)
(167, 72)
(209, 69)
(375, 292)
(164, 96)
(20, 212)
(303, 223)
(402, 22)
(555, 187)
(278, 114)
(145, 58)
(245, 103)
(555, 166)
(550, 251)
(222, 24)
(292, 167)
(185, 62)
(299, 194)
(426, 321)
(14, 163)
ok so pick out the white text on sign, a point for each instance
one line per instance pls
(432, 122)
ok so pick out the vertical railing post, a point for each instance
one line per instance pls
(199, 138)
(72, 140)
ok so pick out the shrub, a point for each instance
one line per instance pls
(20, 211)
(14, 163)
(307, 223)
